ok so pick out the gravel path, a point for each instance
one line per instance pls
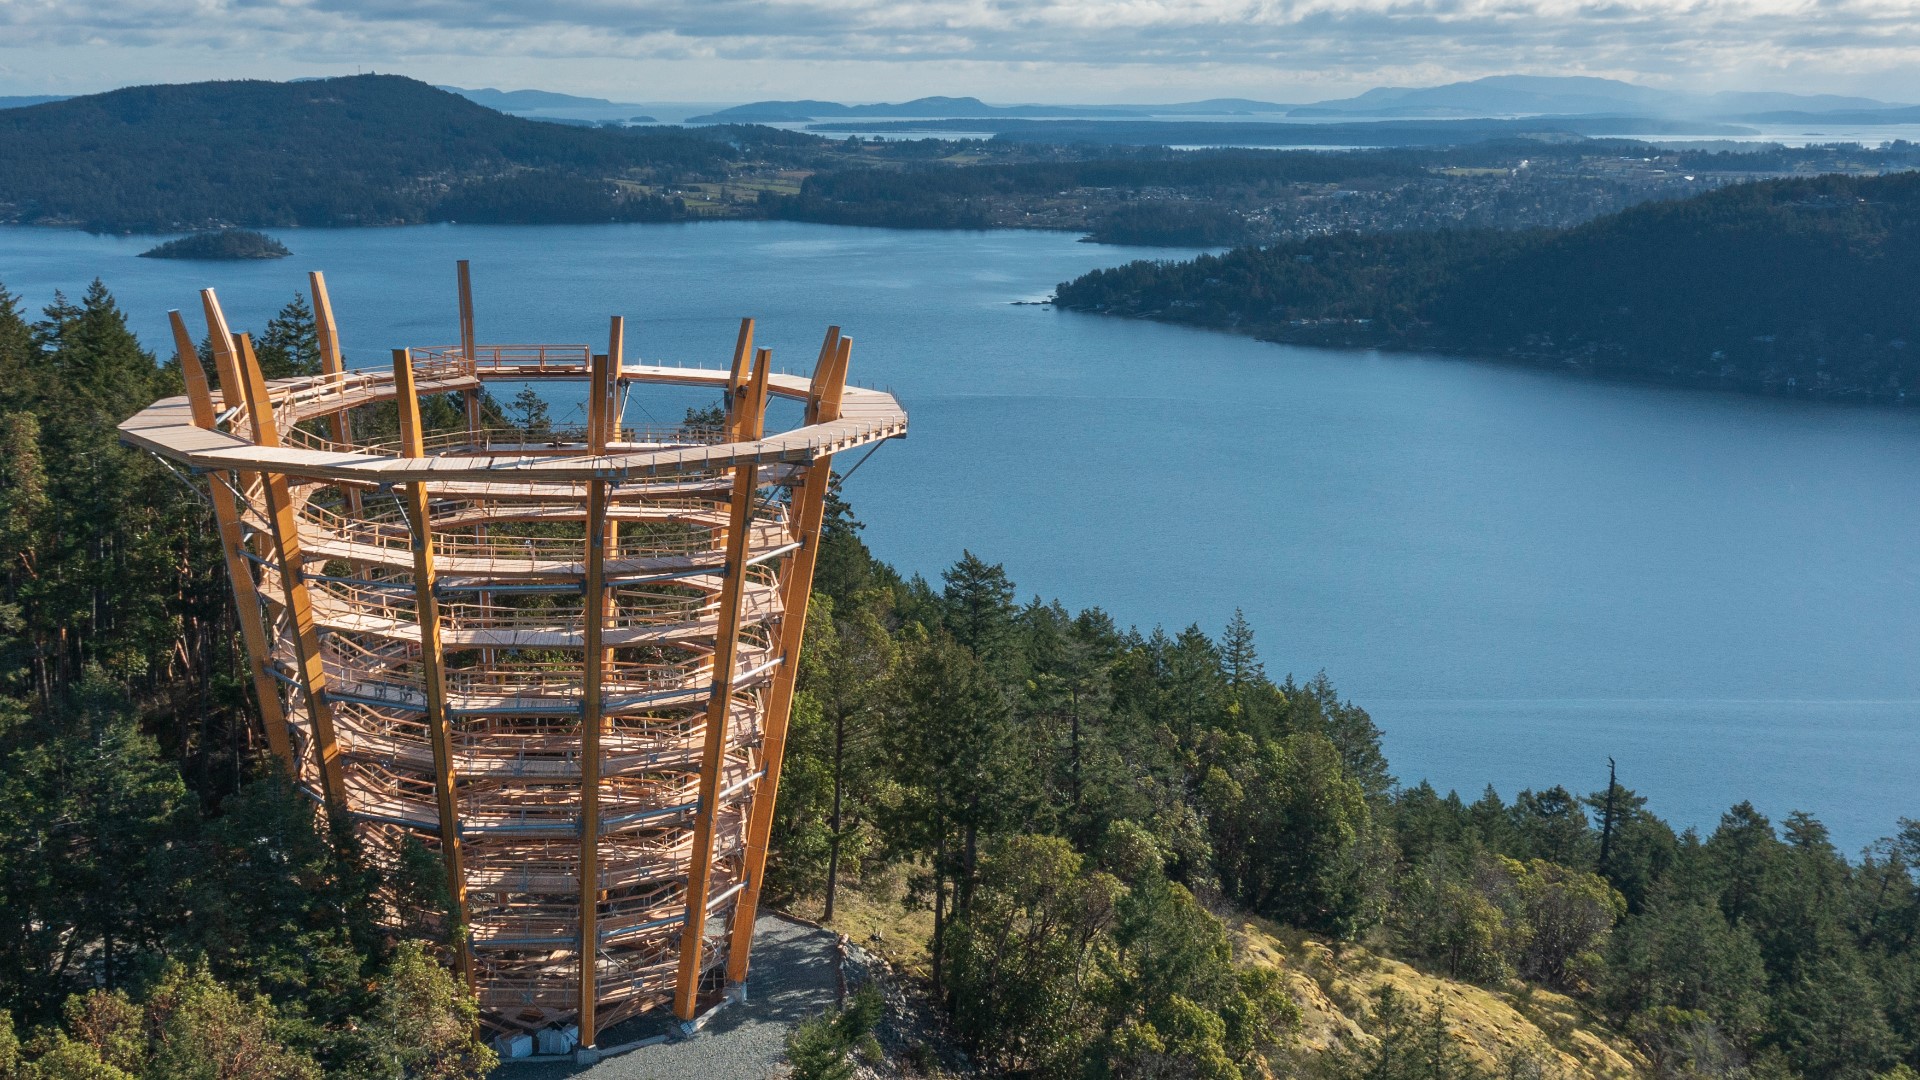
(792, 979)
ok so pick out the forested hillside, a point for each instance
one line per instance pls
(1129, 848)
(937, 195)
(1783, 285)
(361, 150)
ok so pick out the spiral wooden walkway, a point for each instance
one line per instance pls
(561, 661)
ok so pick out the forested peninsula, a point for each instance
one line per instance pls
(1092, 850)
(1793, 285)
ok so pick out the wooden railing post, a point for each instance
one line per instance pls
(796, 588)
(726, 644)
(226, 516)
(433, 662)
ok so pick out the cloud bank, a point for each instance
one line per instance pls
(1101, 46)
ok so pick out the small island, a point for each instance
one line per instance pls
(221, 244)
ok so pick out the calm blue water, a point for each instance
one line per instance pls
(1518, 573)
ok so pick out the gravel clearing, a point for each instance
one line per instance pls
(792, 979)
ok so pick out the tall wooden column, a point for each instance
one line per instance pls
(433, 661)
(749, 421)
(605, 431)
(593, 705)
(241, 382)
(310, 671)
(226, 516)
(472, 396)
(809, 510)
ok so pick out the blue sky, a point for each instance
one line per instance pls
(1000, 50)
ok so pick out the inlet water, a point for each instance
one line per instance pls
(1519, 573)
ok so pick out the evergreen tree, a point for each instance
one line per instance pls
(290, 345)
(963, 769)
(977, 609)
(1237, 653)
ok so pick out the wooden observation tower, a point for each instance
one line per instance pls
(559, 660)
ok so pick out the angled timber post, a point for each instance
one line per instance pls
(433, 661)
(467, 347)
(809, 509)
(226, 516)
(284, 525)
(592, 714)
(726, 644)
(617, 390)
(326, 334)
(737, 378)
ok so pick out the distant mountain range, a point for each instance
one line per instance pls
(1492, 97)
(522, 100)
(545, 104)
(775, 112)
(1533, 95)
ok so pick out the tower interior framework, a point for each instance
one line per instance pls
(559, 660)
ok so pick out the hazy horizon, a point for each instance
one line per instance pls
(617, 97)
(1050, 51)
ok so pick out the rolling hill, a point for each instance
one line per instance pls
(358, 150)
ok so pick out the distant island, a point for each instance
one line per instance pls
(220, 244)
(1785, 286)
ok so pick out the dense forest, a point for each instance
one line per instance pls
(1083, 809)
(1793, 285)
(168, 907)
